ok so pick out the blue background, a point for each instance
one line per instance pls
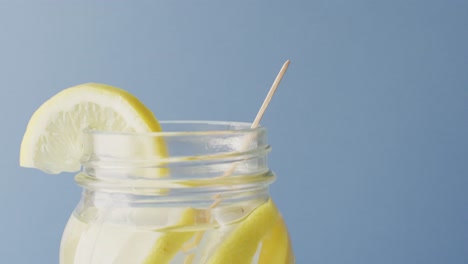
(369, 126)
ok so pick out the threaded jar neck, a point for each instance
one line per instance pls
(188, 159)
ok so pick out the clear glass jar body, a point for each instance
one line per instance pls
(196, 194)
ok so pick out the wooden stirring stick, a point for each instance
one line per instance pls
(270, 94)
(199, 235)
(260, 113)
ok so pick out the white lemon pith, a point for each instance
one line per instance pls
(53, 138)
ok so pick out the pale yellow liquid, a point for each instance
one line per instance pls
(128, 235)
(120, 244)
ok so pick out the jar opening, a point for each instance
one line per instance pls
(174, 128)
(191, 155)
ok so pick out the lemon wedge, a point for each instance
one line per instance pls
(53, 138)
(240, 246)
(170, 243)
(276, 245)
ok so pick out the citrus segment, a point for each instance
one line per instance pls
(52, 141)
(241, 245)
(275, 245)
(167, 246)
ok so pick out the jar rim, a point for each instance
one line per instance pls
(231, 128)
(202, 153)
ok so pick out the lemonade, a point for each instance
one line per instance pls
(121, 241)
(190, 192)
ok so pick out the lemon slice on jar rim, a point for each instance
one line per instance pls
(53, 141)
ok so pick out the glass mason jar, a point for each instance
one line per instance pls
(196, 193)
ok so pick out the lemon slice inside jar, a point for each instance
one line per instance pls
(276, 245)
(242, 244)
